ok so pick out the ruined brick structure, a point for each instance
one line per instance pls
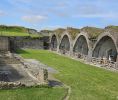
(102, 50)
(17, 71)
(4, 44)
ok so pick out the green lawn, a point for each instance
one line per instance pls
(33, 94)
(87, 82)
(8, 33)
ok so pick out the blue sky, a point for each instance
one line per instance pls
(51, 14)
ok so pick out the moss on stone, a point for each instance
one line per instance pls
(59, 31)
(73, 32)
(112, 28)
(92, 32)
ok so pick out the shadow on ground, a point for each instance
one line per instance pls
(53, 83)
(21, 51)
(9, 74)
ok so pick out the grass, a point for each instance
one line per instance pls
(7, 33)
(33, 94)
(16, 31)
(87, 82)
(10, 33)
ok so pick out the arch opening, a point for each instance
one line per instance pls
(80, 48)
(54, 43)
(106, 48)
(65, 45)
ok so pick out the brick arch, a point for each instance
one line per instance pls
(81, 43)
(106, 46)
(65, 43)
(54, 42)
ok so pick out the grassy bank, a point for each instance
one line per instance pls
(87, 82)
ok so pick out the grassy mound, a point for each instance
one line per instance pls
(15, 31)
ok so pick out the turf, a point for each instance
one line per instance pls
(87, 82)
(33, 94)
(8, 33)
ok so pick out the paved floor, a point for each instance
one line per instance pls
(17, 73)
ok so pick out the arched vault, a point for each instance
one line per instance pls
(65, 43)
(106, 46)
(53, 42)
(81, 44)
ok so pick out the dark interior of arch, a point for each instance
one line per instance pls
(65, 44)
(54, 43)
(81, 46)
(106, 48)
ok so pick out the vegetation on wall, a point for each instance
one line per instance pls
(59, 31)
(92, 32)
(45, 31)
(112, 28)
(73, 32)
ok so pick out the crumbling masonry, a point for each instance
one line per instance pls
(101, 51)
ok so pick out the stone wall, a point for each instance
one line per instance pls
(97, 49)
(4, 43)
(27, 42)
(34, 68)
(103, 48)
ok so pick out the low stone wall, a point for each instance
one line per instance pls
(35, 69)
(11, 85)
(13, 43)
(104, 63)
(26, 42)
(4, 43)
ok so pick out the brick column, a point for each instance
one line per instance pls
(90, 52)
(117, 61)
(71, 49)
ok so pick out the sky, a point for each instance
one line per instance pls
(52, 14)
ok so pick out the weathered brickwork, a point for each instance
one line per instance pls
(102, 51)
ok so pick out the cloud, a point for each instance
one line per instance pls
(108, 16)
(20, 1)
(94, 10)
(20, 4)
(90, 9)
(34, 18)
(2, 13)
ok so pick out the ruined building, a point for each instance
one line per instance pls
(99, 46)
(16, 71)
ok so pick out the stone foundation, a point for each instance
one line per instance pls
(34, 68)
